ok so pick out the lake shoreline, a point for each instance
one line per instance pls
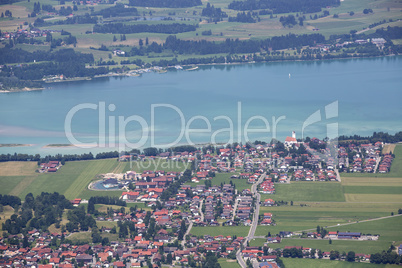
(193, 67)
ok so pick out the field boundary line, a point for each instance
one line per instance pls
(349, 223)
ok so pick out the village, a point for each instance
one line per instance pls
(178, 201)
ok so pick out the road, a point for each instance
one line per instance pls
(257, 207)
(234, 209)
(377, 162)
(200, 210)
(239, 255)
(338, 177)
(183, 242)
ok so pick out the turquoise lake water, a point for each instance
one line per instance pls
(361, 95)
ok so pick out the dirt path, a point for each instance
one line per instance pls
(349, 223)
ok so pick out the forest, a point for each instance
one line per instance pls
(64, 61)
(283, 6)
(120, 28)
(40, 212)
(165, 3)
(85, 19)
(214, 13)
(117, 10)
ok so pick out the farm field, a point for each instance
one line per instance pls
(365, 196)
(310, 263)
(267, 27)
(72, 180)
(307, 191)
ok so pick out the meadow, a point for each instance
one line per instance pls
(226, 263)
(311, 263)
(307, 191)
(357, 198)
(72, 179)
(267, 27)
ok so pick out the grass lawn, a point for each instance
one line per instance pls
(80, 237)
(71, 180)
(388, 229)
(106, 224)
(364, 181)
(8, 183)
(227, 263)
(6, 214)
(372, 190)
(377, 198)
(15, 168)
(221, 230)
(297, 218)
(219, 178)
(317, 263)
(308, 191)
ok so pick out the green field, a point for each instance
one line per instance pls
(317, 263)
(307, 191)
(226, 263)
(72, 180)
(266, 27)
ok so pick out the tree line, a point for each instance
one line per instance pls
(377, 136)
(232, 46)
(284, 6)
(243, 17)
(120, 28)
(117, 11)
(64, 61)
(81, 19)
(214, 13)
(37, 212)
(106, 200)
(165, 3)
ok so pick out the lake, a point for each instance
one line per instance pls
(226, 103)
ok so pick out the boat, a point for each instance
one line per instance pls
(192, 69)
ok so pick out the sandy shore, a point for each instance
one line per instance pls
(15, 145)
(21, 89)
(58, 146)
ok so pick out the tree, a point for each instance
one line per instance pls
(169, 258)
(114, 38)
(351, 256)
(96, 237)
(25, 243)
